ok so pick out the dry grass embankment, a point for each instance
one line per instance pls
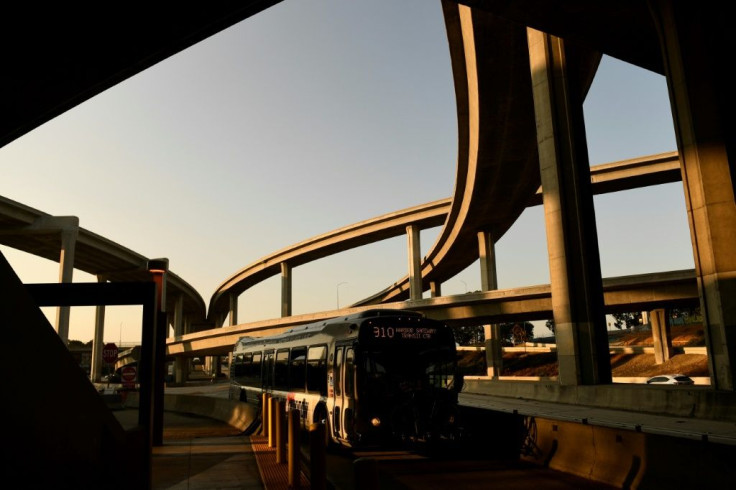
(622, 365)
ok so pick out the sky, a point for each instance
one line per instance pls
(304, 118)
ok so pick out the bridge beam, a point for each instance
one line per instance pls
(572, 243)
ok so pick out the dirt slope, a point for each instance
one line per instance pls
(622, 365)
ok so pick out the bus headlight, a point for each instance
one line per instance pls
(376, 422)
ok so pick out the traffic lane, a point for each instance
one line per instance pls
(402, 470)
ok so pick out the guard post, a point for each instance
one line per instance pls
(294, 470)
(317, 456)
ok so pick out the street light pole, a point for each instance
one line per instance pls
(337, 291)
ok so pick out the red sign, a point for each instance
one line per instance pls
(128, 374)
(110, 353)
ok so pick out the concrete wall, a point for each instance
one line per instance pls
(697, 402)
(628, 459)
(235, 413)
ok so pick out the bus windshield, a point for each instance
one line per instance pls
(393, 371)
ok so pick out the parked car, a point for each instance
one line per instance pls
(670, 379)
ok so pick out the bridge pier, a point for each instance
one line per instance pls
(572, 239)
(702, 99)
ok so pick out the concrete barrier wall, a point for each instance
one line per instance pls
(627, 459)
(234, 413)
(680, 401)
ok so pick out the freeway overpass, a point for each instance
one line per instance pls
(622, 294)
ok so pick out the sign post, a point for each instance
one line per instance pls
(110, 353)
(128, 376)
(109, 356)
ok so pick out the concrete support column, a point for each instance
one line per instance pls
(661, 337)
(180, 363)
(572, 240)
(181, 369)
(216, 366)
(644, 317)
(233, 309)
(159, 269)
(95, 370)
(285, 289)
(489, 282)
(415, 262)
(435, 289)
(697, 66)
(69, 233)
(487, 254)
(178, 320)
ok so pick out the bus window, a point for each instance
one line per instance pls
(281, 370)
(267, 369)
(239, 367)
(298, 369)
(317, 369)
(338, 373)
(350, 373)
(253, 371)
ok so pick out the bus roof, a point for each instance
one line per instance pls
(311, 329)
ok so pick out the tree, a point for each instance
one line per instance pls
(514, 333)
(628, 319)
(469, 335)
(550, 324)
(686, 315)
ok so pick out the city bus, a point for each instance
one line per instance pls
(373, 378)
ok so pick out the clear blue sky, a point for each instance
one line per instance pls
(305, 118)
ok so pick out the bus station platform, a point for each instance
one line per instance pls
(200, 453)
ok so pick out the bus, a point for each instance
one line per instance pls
(373, 378)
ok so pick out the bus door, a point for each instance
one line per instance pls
(342, 415)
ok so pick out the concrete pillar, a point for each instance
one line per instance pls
(572, 240)
(181, 369)
(489, 282)
(415, 262)
(181, 364)
(435, 289)
(697, 67)
(285, 289)
(98, 342)
(69, 233)
(644, 317)
(233, 309)
(661, 337)
(178, 319)
(216, 366)
(487, 255)
(159, 269)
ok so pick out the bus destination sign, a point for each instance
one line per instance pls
(404, 333)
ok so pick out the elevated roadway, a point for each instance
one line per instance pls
(622, 294)
(38, 233)
(611, 177)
